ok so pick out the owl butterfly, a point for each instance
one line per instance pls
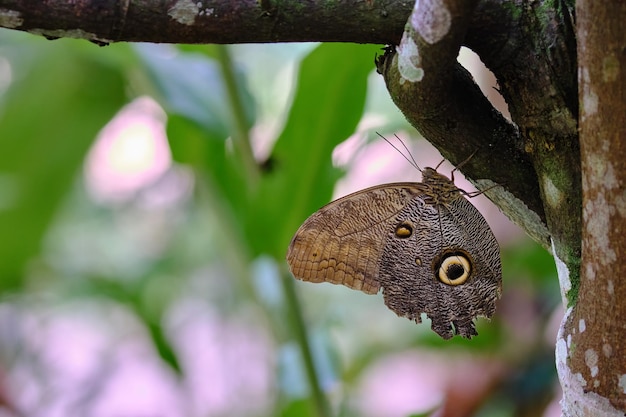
(424, 244)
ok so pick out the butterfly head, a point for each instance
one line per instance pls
(430, 175)
(441, 189)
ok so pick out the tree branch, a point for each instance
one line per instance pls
(531, 48)
(441, 100)
(217, 21)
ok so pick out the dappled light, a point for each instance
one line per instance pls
(130, 153)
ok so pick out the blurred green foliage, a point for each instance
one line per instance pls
(57, 102)
(223, 246)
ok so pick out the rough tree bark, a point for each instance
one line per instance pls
(531, 47)
(591, 347)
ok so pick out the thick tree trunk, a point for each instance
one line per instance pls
(591, 348)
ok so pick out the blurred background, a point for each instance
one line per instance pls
(148, 194)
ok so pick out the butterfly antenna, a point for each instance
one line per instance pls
(408, 151)
(411, 160)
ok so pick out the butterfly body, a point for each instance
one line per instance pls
(424, 244)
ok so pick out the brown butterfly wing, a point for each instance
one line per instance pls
(408, 271)
(342, 242)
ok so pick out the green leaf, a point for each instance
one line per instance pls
(327, 107)
(190, 85)
(299, 178)
(426, 414)
(191, 144)
(138, 299)
(164, 347)
(191, 89)
(302, 407)
(60, 98)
